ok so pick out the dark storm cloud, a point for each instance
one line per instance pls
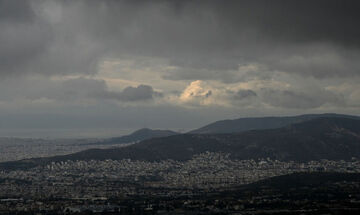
(81, 88)
(72, 90)
(16, 11)
(317, 39)
(296, 21)
(141, 92)
(243, 94)
(130, 94)
(207, 38)
(22, 37)
(299, 99)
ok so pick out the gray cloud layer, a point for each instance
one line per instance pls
(139, 93)
(198, 36)
(284, 54)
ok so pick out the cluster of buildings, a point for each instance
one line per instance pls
(203, 171)
(74, 183)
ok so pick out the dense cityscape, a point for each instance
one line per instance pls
(100, 181)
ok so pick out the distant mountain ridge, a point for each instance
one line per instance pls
(258, 123)
(139, 135)
(332, 138)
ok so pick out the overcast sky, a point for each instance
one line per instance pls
(102, 68)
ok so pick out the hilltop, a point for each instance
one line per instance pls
(332, 138)
(259, 123)
(139, 135)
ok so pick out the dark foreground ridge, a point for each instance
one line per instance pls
(285, 183)
(332, 138)
(298, 193)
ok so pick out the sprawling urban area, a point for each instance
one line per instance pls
(95, 185)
